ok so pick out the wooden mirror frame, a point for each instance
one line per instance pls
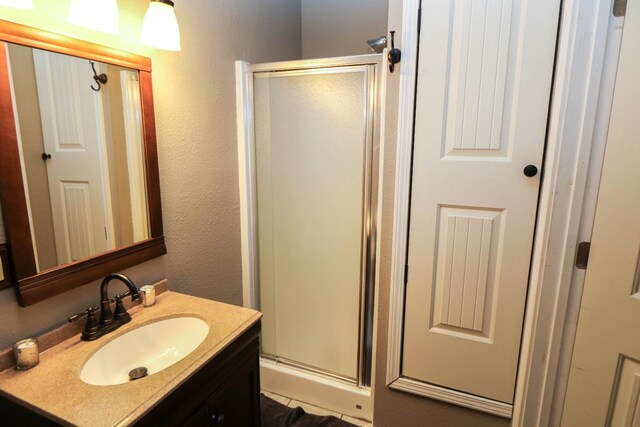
(31, 286)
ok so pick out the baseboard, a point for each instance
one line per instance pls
(451, 396)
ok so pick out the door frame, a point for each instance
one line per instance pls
(134, 149)
(580, 104)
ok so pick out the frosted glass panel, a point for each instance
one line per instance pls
(310, 163)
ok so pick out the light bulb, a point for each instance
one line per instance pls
(160, 26)
(98, 15)
(17, 4)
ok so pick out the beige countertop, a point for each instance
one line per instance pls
(53, 388)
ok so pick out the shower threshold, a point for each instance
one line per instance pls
(316, 388)
(310, 369)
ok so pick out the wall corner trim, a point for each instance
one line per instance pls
(409, 45)
(246, 181)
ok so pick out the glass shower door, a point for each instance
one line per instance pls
(313, 173)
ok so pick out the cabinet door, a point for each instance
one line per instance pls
(237, 404)
(484, 82)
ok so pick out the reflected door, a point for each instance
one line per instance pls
(312, 171)
(74, 136)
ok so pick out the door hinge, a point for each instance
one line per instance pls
(582, 257)
(619, 7)
(105, 233)
(419, 19)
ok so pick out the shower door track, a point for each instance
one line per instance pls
(311, 369)
(245, 73)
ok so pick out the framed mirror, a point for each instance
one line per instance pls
(79, 184)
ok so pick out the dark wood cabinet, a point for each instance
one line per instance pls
(224, 392)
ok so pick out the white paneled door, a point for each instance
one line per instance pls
(604, 380)
(74, 136)
(484, 82)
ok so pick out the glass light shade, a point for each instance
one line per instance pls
(17, 4)
(160, 27)
(99, 15)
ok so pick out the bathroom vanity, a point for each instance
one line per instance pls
(61, 118)
(216, 384)
(56, 86)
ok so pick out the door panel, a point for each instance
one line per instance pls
(77, 219)
(484, 84)
(626, 397)
(465, 273)
(604, 379)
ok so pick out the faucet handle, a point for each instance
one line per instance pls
(92, 324)
(120, 311)
(87, 312)
(119, 297)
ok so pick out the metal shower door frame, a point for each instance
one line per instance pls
(371, 65)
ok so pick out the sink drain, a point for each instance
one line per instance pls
(137, 373)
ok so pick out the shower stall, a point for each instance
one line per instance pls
(309, 156)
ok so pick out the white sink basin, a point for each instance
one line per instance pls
(155, 346)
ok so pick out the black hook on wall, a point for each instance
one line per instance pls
(101, 79)
(394, 54)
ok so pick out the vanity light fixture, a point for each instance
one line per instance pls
(17, 4)
(160, 26)
(378, 45)
(98, 15)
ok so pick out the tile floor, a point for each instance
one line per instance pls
(311, 409)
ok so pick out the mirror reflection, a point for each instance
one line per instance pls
(82, 154)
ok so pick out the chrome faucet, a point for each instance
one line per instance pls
(109, 320)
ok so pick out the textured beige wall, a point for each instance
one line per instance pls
(394, 408)
(194, 94)
(341, 27)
